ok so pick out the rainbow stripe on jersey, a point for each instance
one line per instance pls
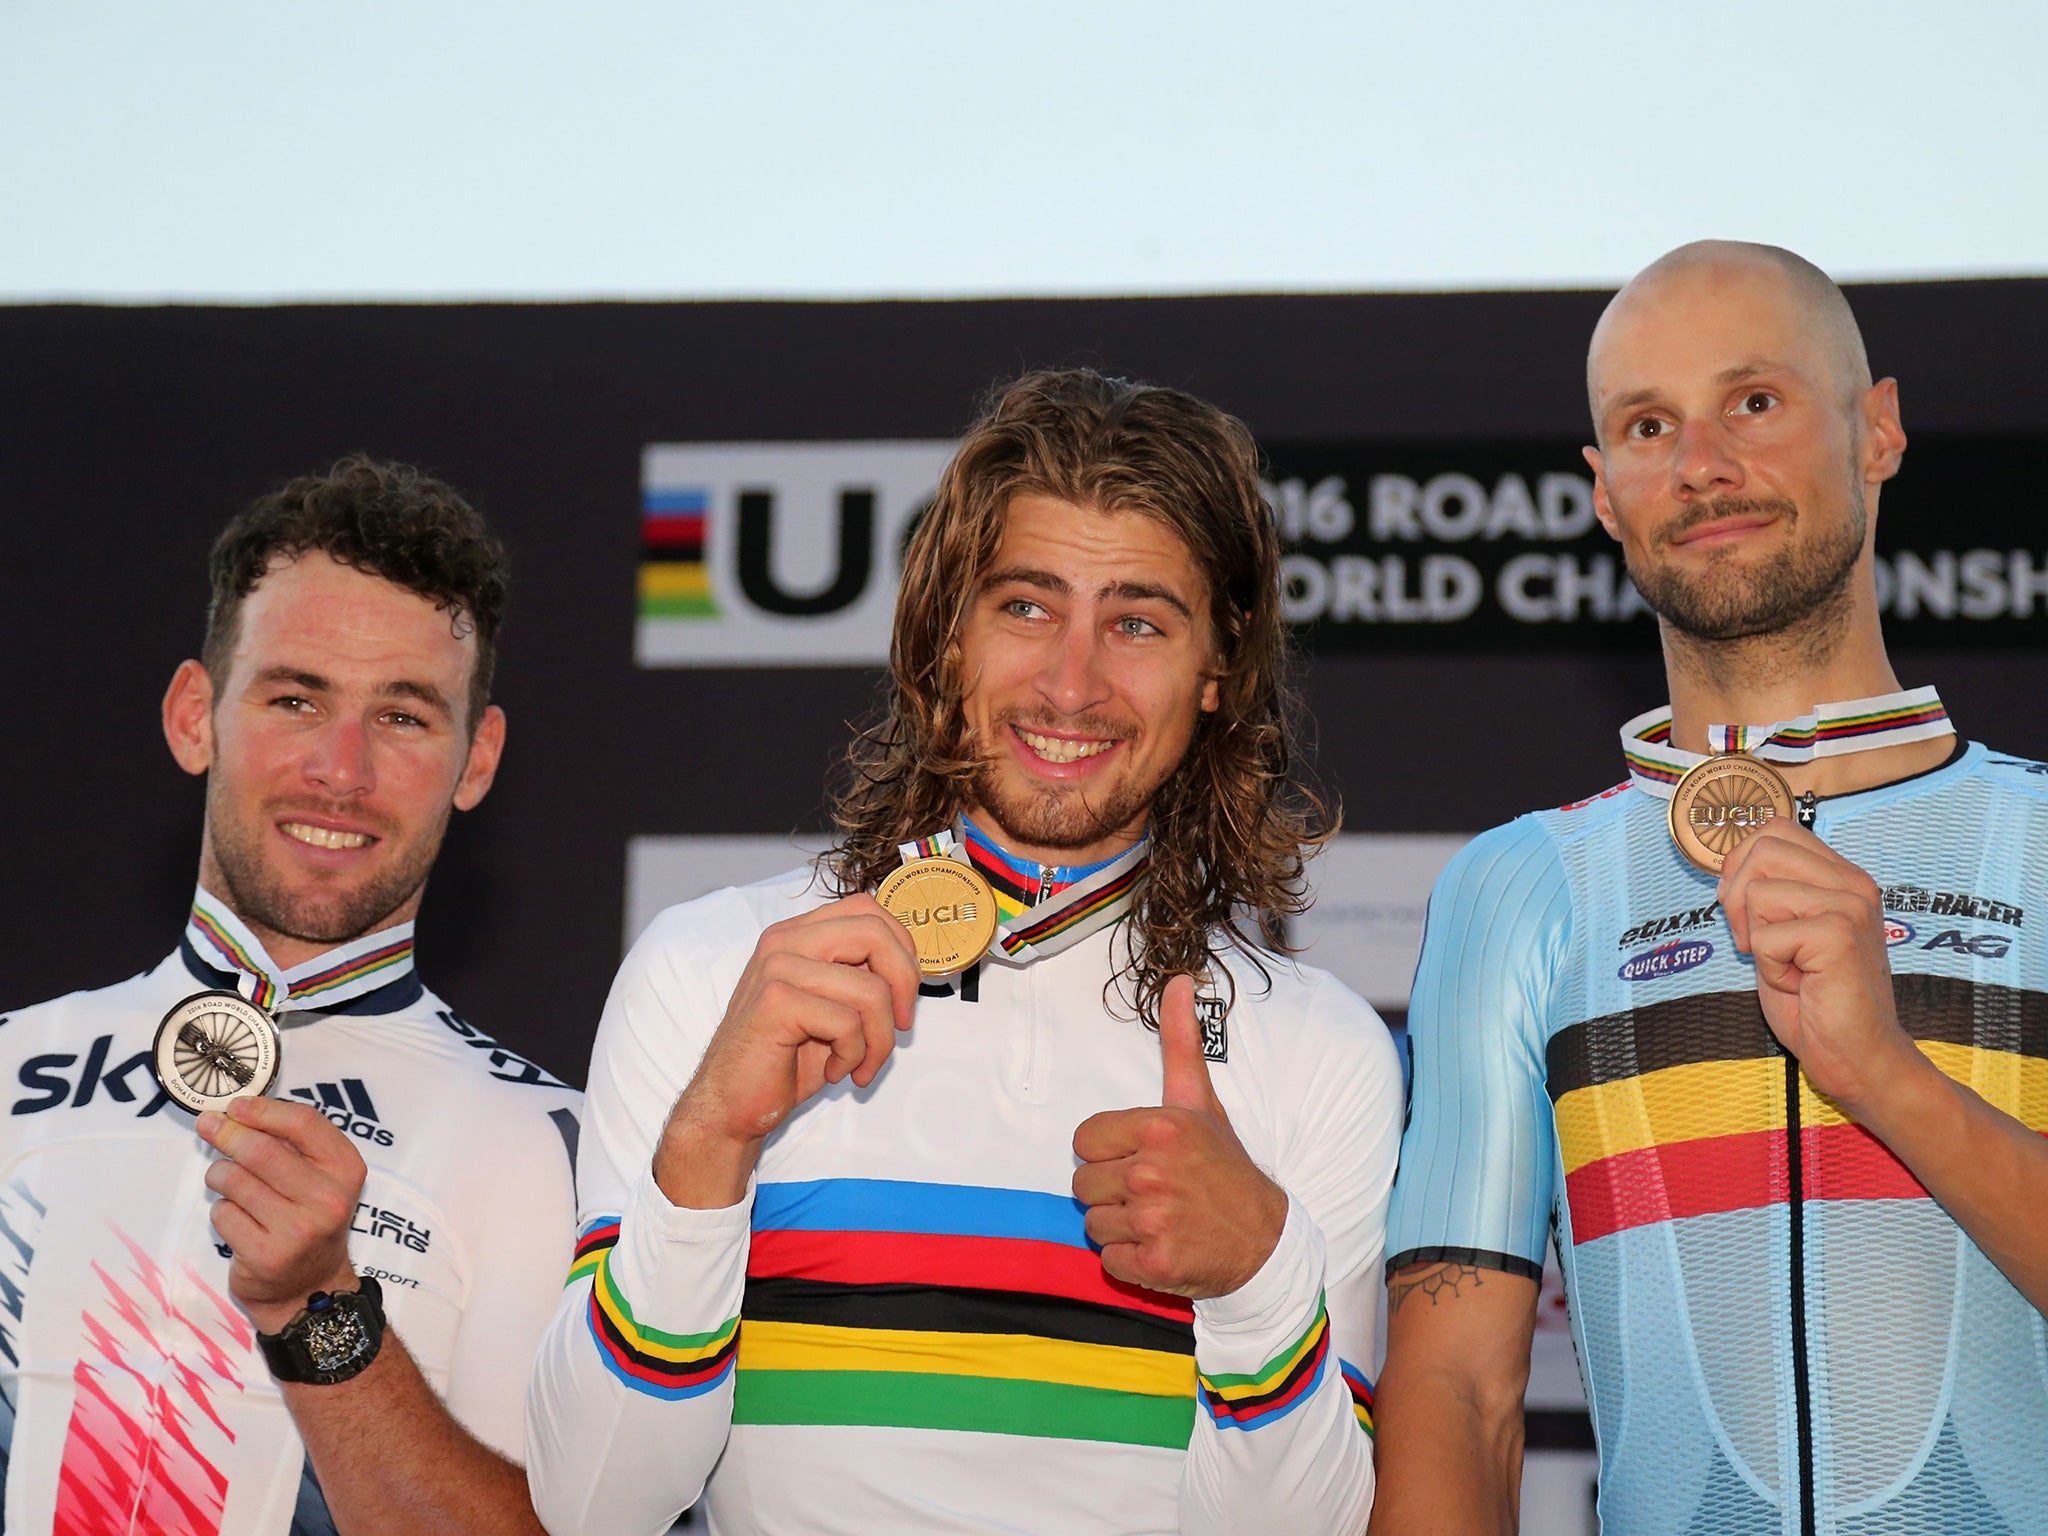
(672, 1366)
(1277, 1388)
(954, 1307)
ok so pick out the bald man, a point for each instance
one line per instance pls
(1761, 1039)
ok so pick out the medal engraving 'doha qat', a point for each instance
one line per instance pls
(212, 1048)
(948, 908)
(1724, 801)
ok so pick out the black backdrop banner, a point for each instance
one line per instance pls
(1493, 546)
(127, 436)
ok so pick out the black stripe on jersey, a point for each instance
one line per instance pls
(1478, 1258)
(1710, 1026)
(958, 1309)
(1729, 1026)
(1992, 1018)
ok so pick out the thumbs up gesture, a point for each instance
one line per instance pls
(1173, 1200)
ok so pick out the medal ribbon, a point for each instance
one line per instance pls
(362, 965)
(1063, 919)
(1831, 730)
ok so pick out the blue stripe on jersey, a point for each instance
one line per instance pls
(900, 1205)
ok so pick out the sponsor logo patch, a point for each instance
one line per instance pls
(374, 1221)
(1667, 960)
(1606, 794)
(1897, 933)
(51, 1083)
(1213, 1014)
(1665, 927)
(506, 1066)
(347, 1103)
(1982, 946)
(1914, 899)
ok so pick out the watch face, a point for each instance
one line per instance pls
(335, 1339)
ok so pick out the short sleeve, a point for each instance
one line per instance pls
(1478, 1157)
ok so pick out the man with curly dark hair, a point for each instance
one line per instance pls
(864, 1276)
(198, 1342)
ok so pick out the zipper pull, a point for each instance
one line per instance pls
(1809, 808)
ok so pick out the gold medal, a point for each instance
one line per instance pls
(213, 1048)
(1722, 802)
(948, 908)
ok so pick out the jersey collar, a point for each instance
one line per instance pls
(1046, 908)
(369, 975)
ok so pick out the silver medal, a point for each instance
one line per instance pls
(215, 1047)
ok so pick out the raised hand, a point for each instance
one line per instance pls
(1814, 923)
(820, 1001)
(288, 1181)
(1174, 1201)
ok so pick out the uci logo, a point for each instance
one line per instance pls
(944, 912)
(776, 553)
(1745, 817)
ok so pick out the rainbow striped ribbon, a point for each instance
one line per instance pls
(361, 965)
(1066, 917)
(1831, 730)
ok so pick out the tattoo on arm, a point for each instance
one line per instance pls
(1435, 1281)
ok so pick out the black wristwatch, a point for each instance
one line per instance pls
(335, 1337)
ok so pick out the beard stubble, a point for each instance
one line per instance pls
(1057, 816)
(1800, 584)
(261, 897)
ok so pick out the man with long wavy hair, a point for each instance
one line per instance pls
(869, 1250)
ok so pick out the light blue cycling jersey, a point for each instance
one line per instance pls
(1778, 1329)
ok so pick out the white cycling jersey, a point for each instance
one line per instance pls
(903, 1326)
(132, 1394)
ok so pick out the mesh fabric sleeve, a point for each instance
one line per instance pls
(1283, 1423)
(631, 1398)
(1478, 1158)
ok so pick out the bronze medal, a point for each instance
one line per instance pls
(215, 1047)
(1724, 801)
(948, 908)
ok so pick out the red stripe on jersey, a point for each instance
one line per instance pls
(978, 1263)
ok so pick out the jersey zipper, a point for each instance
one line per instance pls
(1802, 1383)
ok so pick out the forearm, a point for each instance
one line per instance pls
(1447, 1464)
(391, 1459)
(1987, 1170)
(1450, 1400)
(1278, 1441)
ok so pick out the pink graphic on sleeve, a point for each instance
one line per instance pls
(148, 1436)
